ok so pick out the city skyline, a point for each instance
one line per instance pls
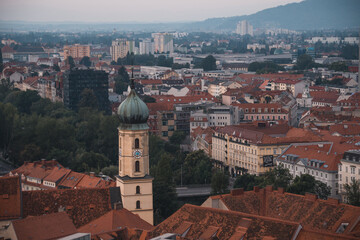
(161, 11)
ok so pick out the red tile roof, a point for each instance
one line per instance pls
(88, 182)
(194, 222)
(82, 205)
(50, 226)
(10, 198)
(312, 213)
(57, 174)
(71, 180)
(114, 220)
(185, 99)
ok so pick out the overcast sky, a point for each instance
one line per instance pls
(130, 10)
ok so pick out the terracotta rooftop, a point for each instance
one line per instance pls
(88, 182)
(114, 220)
(184, 99)
(82, 205)
(71, 180)
(322, 153)
(194, 222)
(57, 174)
(312, 213)
(50, 226)
(346, 129)
(10, 198)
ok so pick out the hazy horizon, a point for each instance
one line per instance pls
(136, 11)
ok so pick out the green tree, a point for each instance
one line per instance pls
(88, 99)
(305, 62)
(197, 168)
(85, 61)
(246, 181)
(8, 116)
(350, 51)
(22, 100)
(277, 177)
(31, 153)
(110, 171)
(338, 66)
(165, 198)
(352, 192)
(70, 62)
(177, 137)
(307, 183)
(209, 63)
(164, 62)
(148, 99)
(219, 182)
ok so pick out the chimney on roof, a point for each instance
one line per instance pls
(311, 197)
(92, 174)
(269, 188)
(280, 190)
(346, 126)
(256, 189)
(237, 192)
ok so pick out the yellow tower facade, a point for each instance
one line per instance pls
(134, 180)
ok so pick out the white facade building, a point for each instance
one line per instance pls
(244, 27)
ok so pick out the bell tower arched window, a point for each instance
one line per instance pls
(137, 189)
(137, 143)
(137, 166)
(137, 204)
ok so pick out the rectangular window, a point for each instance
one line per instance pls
(165, 134)
(352, 170)
(164, 123)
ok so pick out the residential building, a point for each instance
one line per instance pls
(349, 170)
(293, 86)
(316, 159)
(214, 116)
(76, 51)
(46, 175)
(119, 49)
(77, 80)
(163, 43)
(253, 148)
(243, 28)
(272, 112)
(201, 139)
(146, 46)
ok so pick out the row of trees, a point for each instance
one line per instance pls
(281, 177)
(33, 128)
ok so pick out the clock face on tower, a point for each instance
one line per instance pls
(137, 154)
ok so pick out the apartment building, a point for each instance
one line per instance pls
(253, 148)
(244, 27)
(76, 51)
(163, 43)
(316, 159)
(349, 170)
(262, 112)
(120, 47)
(214, 116)
(293, 86)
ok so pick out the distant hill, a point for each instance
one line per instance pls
(306, 15)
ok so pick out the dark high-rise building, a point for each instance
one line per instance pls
(78, 80)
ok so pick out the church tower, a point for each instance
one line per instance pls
(134, 180)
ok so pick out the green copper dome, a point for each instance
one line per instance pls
(133, 110)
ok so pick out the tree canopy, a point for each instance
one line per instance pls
(85, 61)
(209, 63)
(352, 192)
